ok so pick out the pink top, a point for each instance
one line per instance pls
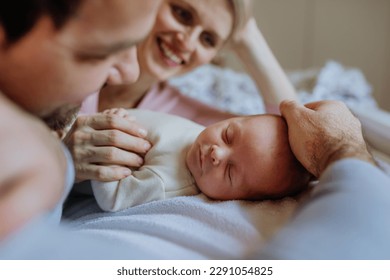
(167, 99)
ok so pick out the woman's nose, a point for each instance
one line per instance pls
(217, 154)
(187, 40)
(126, 68)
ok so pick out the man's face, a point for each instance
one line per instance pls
(48, 68)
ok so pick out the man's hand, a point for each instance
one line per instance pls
(104, 146)
(33, 168)
(323, 132)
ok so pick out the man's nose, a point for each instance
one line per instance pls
(126, 68)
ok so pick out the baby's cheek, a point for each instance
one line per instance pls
(202, 185)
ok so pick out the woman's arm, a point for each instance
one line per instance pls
(251, 47)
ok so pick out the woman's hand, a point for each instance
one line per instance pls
(250, 46)
(104, 146)
(243, 37)
(242, 15)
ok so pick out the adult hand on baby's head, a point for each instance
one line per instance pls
(323, 132)
(105, 145)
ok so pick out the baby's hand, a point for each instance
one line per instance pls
(117, 111)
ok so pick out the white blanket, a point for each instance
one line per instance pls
(192, 227)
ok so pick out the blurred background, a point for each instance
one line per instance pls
(306, 33)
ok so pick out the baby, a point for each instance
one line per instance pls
(246, 157)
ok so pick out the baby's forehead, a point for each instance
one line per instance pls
(264, 146)
(264, 126)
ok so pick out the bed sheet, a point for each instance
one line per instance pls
(190, 227)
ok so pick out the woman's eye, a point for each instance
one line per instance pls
(208, 39)
(181, 14)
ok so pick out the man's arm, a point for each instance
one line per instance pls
(33, 167)
(345, 218)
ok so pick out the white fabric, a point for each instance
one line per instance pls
(164, 173)
(187, 227)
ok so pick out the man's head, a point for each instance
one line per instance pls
(246, 158)
(56, 52)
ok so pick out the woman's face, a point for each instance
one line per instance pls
(187, 34)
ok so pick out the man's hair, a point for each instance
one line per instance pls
(18, 17)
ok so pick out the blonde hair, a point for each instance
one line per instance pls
(242, 11)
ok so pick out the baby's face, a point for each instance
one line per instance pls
(242, 158)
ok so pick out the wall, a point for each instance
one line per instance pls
(307, 33)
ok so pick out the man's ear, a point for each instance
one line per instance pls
(2, 36)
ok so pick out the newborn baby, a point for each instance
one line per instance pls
(246, 157)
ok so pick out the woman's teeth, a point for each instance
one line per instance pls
(169, 54)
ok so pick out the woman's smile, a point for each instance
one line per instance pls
(170, 57)
(186, 34)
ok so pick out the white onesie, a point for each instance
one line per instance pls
(164, 173)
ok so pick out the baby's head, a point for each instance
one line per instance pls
(246, 158)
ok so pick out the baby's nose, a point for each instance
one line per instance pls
(217, 155)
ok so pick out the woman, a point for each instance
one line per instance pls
(187, 34)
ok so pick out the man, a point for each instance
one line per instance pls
(52, 55)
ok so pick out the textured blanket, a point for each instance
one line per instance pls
(191, 227)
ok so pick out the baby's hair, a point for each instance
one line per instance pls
(294, 182)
